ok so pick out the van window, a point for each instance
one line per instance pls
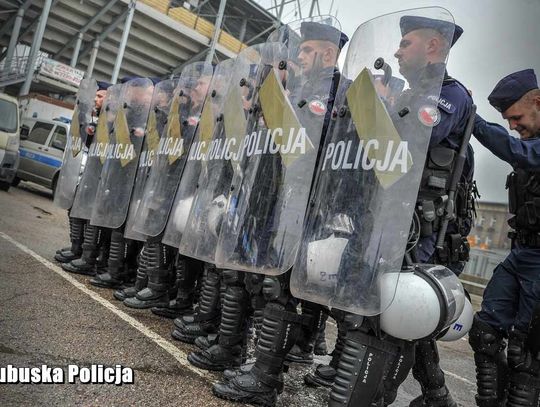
(8, 116)
(40, 132)
(59, 138)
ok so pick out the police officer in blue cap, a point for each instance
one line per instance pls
(76, 225)
(422, 52)
(514, 290)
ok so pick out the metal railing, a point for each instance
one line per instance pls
(15, 71)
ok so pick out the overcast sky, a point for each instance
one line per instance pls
(500, 37)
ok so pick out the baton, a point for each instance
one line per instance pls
(456, 175)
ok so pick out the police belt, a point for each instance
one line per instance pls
(525, 237)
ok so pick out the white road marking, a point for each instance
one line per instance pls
(166, 345)
(455, 376)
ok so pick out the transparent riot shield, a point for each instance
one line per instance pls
(184, 114)
(362, 207)
(164, 93)
(210, 121)
(88, 185)
(122, 156)
(218, 166)
(73, 153)
(263, 224)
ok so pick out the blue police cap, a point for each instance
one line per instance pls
(511, 88)
(446, 28)
(102, 85)
(127, 79)
(311, 30)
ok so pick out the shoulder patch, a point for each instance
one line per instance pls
(443, 104)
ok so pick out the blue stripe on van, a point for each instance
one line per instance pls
(53, 162)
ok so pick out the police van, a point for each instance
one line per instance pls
(9, 139)
(41, 150)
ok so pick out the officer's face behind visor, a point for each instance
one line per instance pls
(314, 55)
(201, 88)
(418, 48)
(524, 115)
(98, 100)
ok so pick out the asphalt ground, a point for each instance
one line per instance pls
(49, 317)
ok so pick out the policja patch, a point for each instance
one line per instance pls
(429, 115)
(317, 107)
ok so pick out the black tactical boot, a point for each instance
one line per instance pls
(205, 342)
(320, 348)
(117, 273)
(314, 321)
(261, 383)
(161, 278)
(427, 372)
(491, 364)
(229, 351)
(63, 249)
(324, 375)
(102, 260)
(141, 280)
(229, 374)
(86, 264)
(76, 235)
(207, 316)
(187, 272)
(524, 363)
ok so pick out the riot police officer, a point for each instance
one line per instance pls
(448, 121)
(514, 290)
(76, 225)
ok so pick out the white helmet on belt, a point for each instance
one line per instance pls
(323, 260)
(215, 214)
(462, 326)
(427, 300)
(181, 214)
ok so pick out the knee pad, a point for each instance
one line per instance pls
(520, 357)
(232, 277)
(254, 283)
(485, 339)
(271, 289)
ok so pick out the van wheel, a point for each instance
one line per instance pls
(4, 186)
(16, 181)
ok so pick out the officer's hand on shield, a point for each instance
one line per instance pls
(137, 131)
(341, 225)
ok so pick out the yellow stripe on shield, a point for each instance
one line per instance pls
(102, 134)
(152, 135)
(280, 116)
(125, 148)
(235, 119)
(206, 125)
(174, 130)
(376, 129)
(76, 144)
